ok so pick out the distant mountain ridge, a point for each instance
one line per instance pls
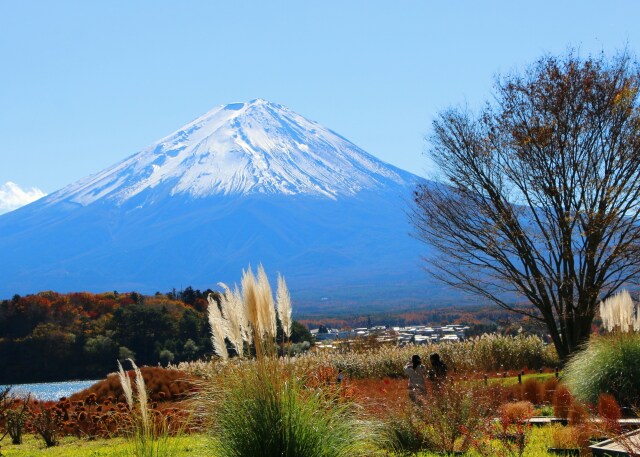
(244, 183)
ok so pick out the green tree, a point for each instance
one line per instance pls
(189, 350)
(125, 353)
(538, 195)
(100, 348)
(143, 329)
(299, 333)
(166, 357)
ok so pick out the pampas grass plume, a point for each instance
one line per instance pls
(125, 382)
(142, 397)
(233, 313)
(618, 312)
(242, 312)
(284, 305)
(249, 316)
(218, 328)
(249, 294)
(266, 306)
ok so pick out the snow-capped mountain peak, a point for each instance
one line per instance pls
(241, 148)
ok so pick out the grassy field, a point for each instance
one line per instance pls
(540, 377)
(192, 445)
(198, 445)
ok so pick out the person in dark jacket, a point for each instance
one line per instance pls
(416, 372)
(438, 371)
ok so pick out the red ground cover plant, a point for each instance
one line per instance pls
(83, 418)
(380, 397)
(162, 385)
(90, 418)
(100, 411)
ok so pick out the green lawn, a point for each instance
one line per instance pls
(191, 445)
(540, 377)
(197, 446)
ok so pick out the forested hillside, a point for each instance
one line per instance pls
(50, 336)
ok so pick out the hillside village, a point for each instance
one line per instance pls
(328, 338)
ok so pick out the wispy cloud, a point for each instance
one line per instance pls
(13, 196)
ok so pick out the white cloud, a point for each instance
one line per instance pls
(13, 196)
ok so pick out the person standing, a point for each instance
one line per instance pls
(438, 372)
(416, 373)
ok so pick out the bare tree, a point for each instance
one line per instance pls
(538, 195)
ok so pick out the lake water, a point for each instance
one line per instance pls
(50, 390)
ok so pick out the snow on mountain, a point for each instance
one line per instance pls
(241, 148)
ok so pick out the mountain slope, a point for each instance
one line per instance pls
(245, 183)
(240, 149)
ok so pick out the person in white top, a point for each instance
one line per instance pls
(416, 372)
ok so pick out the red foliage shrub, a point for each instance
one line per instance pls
(47, 421)
(578, 413)
(549, 389)
(562, 401)
(511, 429)
(532, 391)
(457, 412)
(608, 408)
(516, 411)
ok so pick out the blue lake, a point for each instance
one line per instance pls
(50, 390)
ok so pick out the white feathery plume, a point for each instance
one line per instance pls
(142, 396)
(625, 310)
(605, 315)
(125, 382)
(618, 312)
(242, 312)
(266, 309)
(233, 313)
(284, 305)
(218, 328)
(249, 295)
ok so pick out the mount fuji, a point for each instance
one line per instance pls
(243, 184)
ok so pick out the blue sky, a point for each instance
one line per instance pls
(85, 84)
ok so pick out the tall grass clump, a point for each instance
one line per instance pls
(260, 406)
(148, 437)
(610, 363)
(266, 412)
